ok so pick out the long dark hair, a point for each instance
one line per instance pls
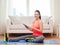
(39, 13)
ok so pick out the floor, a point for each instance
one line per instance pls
(30, 44)
(48, 37)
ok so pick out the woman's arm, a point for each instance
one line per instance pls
(41, 27)
(30, 28)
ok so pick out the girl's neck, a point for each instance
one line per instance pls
(37, 19)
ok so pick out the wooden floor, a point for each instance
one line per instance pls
(49, 37)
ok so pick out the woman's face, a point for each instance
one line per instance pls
(36, 15)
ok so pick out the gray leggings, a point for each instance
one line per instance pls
(36, 38)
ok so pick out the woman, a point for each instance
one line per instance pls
(36, 28)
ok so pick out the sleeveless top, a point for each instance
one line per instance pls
(37, 26)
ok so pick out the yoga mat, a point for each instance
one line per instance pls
(44, 42)
(2, 42)
(23, 42)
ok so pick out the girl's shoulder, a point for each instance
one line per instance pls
(40, 21)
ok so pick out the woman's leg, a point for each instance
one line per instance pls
(38, 39)
(20, 38)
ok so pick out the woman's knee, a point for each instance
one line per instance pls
(39, 38)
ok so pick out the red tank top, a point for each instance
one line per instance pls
(37, 26)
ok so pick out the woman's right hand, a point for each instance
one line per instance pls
(30, 28)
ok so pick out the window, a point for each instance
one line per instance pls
(18, 7)
(42, 5)
(27, 7)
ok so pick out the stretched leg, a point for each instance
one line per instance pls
(39, 39)
(20, 38)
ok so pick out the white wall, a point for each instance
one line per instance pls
(55, 11)
(3, 16)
